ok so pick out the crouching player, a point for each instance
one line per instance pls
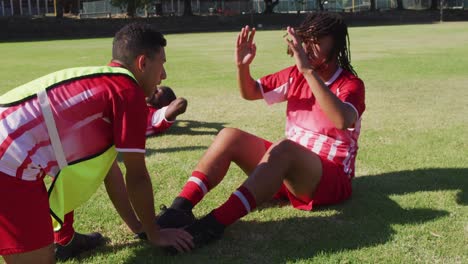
(70, 125)
(163, 108)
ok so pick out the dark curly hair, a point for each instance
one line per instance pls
(168, 93)
(322, 24)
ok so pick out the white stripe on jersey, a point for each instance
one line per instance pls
(86, 121)
(304, 140)
(130, 150)
(49, 120)
(318, 144)
(159, 116)
(294, 137)
(334, 77)
(17, 118)
(76, 99)
(15, 154)
(5, 169)
(244, 200)
(333, 148)
(279, 94)
(199, 183)
(348, 159)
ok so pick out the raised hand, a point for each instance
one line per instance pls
(245, 47)
(299, 54)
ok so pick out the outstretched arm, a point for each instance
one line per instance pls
(175, 108)
(342, 115)
(140, 192)
(117, 192)
(245, 53)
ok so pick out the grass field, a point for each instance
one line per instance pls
(410, 201)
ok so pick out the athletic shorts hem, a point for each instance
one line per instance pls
(12, 251)
(25, 223)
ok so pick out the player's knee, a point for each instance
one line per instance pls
(282, 150)
(228, 133)
(231, 136)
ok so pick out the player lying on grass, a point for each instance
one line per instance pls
(164, 107)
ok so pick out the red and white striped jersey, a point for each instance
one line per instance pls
(306, 123)
(157, 122)
(91, 114)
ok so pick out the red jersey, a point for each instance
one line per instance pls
(91, 114)
(157, 122)
(307, 124)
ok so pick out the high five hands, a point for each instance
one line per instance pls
(245, 47)
(295, 45)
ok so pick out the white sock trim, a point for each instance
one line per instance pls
(244, 200)
(199, 183)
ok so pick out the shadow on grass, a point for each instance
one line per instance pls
(185, 127)
(195, 128)
(364, 221)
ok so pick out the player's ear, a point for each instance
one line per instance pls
(140, 62)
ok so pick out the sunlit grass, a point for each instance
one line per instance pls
(411, 191)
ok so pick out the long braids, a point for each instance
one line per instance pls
(321, 24)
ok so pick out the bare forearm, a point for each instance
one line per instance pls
(247, 85)
(140, 193)
(117, 192)
(339, 113)
(175, 108)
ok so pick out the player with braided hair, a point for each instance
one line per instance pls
(315, 163)
(318, 25)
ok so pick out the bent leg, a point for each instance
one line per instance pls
(26, 233)
(284, 162)
(231, 145)
(288, 162)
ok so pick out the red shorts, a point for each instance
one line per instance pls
(25, 223)
(334, 187)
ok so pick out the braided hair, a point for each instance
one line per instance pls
(321, 24)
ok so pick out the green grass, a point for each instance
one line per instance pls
(410, 201)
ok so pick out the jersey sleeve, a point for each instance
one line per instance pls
(159, 123)
(274, 87)
(130, 116)
(353, 93)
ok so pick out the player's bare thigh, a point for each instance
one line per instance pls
(44, 255)
(234, 145)
(305, 168)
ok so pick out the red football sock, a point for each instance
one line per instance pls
(240, 203)
(65, 234)
(195, 188)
